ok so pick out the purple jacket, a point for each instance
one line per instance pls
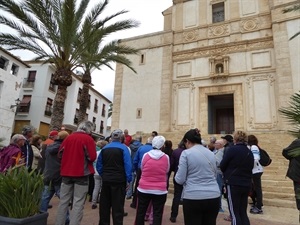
(8, 157)
(174, 161)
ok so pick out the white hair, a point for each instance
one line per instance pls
(86, 126)
(16, 138)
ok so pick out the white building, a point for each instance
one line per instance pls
(12, 71)
(37, 98)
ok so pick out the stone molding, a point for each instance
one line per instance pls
(224, 49)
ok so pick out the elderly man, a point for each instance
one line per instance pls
(114, 166)
(77, 152)
(219, 152)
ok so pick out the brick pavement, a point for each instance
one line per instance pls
(91, 217)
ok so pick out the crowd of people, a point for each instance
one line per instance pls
(122, 167)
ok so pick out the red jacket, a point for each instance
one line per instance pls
(78, 152)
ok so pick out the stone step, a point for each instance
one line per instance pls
(275, 195)
(285, 203)
(281, 189)
(287, 183)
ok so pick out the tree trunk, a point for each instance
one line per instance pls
(84, 99)
(58, 108)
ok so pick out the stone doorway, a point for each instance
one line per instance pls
(221, 114)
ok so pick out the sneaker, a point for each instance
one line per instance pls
(94, 206)
(173, 219)
(256, 210)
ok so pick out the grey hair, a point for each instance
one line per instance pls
(86, 126)
(16, 138)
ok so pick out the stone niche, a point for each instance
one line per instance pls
(218, 67)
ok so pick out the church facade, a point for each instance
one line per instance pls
(219, 65)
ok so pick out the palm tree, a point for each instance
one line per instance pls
(293, 8)
(292, 114)
(99, 54)
(51, 30)
(110, 110)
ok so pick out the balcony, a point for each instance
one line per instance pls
(48, 112)
(95, 109)
(103, 112)
(28, 84)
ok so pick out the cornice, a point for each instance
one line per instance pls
(223, 49)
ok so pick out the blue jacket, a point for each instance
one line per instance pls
(137, 161)
(237, 165)
(114, 163)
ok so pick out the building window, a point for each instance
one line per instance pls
(218, 12)
(76, 116)
(142, 59)
(31, 76)
(24, 105)
(3, 63)
(138, 113)
(48, 109)
(96, 106)
(94, 122)
(51, 85)
(89, 99)
(14, 69)
(79, 94)
(101, 127)
(103, 110)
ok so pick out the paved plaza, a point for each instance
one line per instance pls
(271, 216)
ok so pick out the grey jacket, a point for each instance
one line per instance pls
(197, 173)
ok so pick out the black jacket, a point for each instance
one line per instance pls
(237, 165)
(52, 164)
(293, 171)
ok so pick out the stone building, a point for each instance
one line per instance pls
(220, 66)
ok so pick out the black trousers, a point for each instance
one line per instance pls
(237, 197)
(176, 198)
(158, 203)
(201, 212)
(258, 190)
(137, 180)
(112, 198)
(297, 194)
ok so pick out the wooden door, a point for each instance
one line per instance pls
(224, 121)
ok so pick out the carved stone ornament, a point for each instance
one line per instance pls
(190, 36)
(249, 25)
(217, 31)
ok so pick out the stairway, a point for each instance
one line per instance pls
(278, 189)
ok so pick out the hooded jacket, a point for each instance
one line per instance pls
(155, 167)
(291, 154)
(52, 164)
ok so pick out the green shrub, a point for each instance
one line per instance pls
(20, 193)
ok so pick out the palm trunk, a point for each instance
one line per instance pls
(58, 108)
(84, 99)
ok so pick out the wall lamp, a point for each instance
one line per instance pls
(17, 101)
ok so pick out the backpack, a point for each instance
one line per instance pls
(265, 159)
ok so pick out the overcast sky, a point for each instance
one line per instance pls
(147, 12)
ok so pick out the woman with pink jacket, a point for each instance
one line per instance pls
(153, 183)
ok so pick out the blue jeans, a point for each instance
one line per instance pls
(47, 195)
(129, 192)
(220, 182)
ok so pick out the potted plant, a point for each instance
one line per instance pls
(20, 193)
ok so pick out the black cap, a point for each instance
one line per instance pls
(228, 138)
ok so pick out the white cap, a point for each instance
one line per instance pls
(158, 142)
